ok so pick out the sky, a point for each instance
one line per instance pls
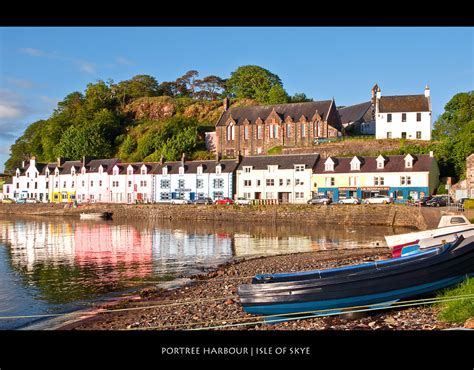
(40, 66)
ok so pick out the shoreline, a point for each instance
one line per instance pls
(363, 215)
(210, 300)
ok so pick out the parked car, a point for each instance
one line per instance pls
(378, 199)
(7, 200)
(243, 201)
(421, 202)
(31, 200)
(437, 202)
(180, 201)
(224, 201)
(320, 199)
(21, 200)
(203, 201)
(350, 200)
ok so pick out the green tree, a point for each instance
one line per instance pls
(252, 82)
(277, 95)
(299, 98)
(137, 87)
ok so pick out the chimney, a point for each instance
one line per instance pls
(162, 159)
(427, 91)
(226, 103)
(379, 94)
(238, 157)
(33, 161)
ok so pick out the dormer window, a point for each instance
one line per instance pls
(73, 172)
(100, 169)
(83, 170)
(355, 164)
(408, 161)
(130, 171)
(56, 172)
(218, 169)
(181, 170)
(272, 168)
(47, 174)
(380, 162)
(143, 171)
(299, 167)
(164, 170)
(199, 170)
(329, 165)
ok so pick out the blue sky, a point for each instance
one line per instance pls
(40, 66)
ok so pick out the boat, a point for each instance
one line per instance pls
(449, 226)
(96, 216)
(376, 284)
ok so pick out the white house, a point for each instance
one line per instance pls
(93, 182)
(194, 179)
(403, 116)
(31, 181)
(283, 177)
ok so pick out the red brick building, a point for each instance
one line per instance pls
(256, 129)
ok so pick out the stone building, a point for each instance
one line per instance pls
(358, 119)
(470, 176)
(256, 129)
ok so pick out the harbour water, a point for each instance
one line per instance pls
(55, 265)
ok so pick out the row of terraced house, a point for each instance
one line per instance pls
(283, 178)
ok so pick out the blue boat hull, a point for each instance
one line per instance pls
(364, 300)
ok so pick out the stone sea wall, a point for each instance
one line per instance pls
(364, 215)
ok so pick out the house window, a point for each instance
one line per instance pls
(64, 184)
(355, 166)
(408, 180)
(330, 181)
(129, 184)
(273, 132)
(328, 167)
(389, 135)
(404, 135)
(258, 182)
(130, 171)
(272, 169)
(72, 184)
(83, 183)
(270, 195)
(379, 181)
(418, 117)
(248, 195)
(247, 169)
(199, 183)
(47, 185)
(280, 182)
(247, 182)
(100, 182)
(389, 117)
(218, 183)
(402, 180)
(164, 196)
(181, 184)
(288, 130)
(303, 130)
(230, 132)
(298, 182)
(404, 117)
(92, 183)
(259, 132)
(352, 180)
(165, 184)
(288, 182)
(299, 168)
(143, 171)
(299, 195)
(270, 182)
(418, 134)
(246, 132)
(27, 185)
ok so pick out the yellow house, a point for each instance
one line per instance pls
(401, 177)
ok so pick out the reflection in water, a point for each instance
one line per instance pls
(51, 265)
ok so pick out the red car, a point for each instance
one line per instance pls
(224, 201)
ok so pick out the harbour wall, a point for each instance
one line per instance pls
(338, 215)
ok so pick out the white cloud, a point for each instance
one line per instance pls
(19, 83)
(12, 106)
(34, 52)
(87, 67)
(124, 61)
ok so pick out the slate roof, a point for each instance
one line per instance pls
(404, 103)
(394, 163)
(209, 166)
(354, 113)
(107, 164)
(293, 110)
(285, 161)
(68, 165)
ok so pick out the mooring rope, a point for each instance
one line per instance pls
(362, 309)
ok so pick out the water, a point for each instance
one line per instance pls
(53, 265)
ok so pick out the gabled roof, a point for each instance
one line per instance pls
(107, 164)
(354, 113)
(393, 163)
(68, 165)
(208, 166)
(293, 110)
(404, 103)
(287, 161)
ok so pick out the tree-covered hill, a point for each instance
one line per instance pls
(141, 119)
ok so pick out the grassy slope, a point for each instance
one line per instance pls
(458, 311)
